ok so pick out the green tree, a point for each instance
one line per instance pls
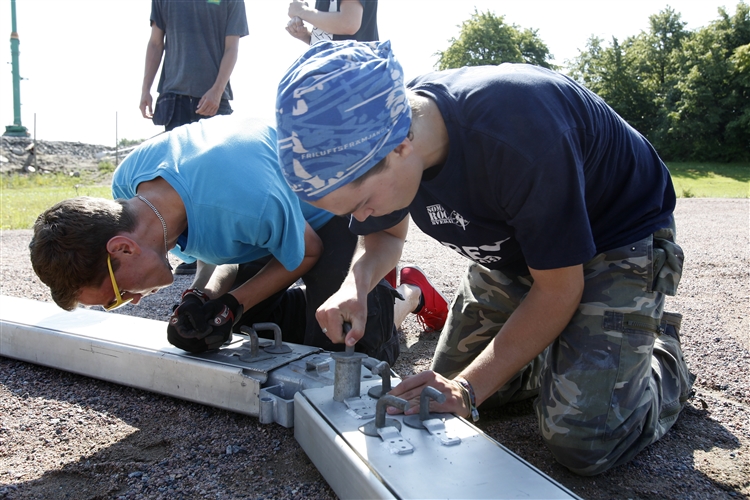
(609, 72)
(654, 58)
(711, 120)
(486, 39)
(687, 92)
(638, 77)
(660, 46)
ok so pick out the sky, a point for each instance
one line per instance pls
(82, 60)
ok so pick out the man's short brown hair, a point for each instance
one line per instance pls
(68, 249)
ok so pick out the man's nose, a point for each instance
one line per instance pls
(362, 214)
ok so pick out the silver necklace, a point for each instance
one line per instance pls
(163, 224)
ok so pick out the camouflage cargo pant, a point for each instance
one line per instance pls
(612, 383)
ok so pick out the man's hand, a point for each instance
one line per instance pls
(343, 307)
(410, 389)
(187, 315)
(209, 103)
(147, 102)
(205, 328)
(297, 8)
(298, 30)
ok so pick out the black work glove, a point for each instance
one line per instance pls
(187, 315)
(207, 328)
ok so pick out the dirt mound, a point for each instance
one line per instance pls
(23, 156)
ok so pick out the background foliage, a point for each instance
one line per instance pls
(688, 92)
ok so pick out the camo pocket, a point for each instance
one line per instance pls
(667, 265)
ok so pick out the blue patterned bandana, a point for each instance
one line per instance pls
(340, 109)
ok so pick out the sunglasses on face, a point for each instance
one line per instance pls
(118, 302)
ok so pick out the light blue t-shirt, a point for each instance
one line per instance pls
(225, 169)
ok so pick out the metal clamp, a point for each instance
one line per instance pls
(384, 370)
(253, 354)
(433, 422)
(389, 429)
(278, 346)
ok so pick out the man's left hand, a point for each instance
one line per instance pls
(209, 103)
(410, 389)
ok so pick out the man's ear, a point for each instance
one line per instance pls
(404, 149)
(121, 245)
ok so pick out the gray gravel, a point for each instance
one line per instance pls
(67, 436)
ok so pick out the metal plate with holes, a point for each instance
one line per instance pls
(478, 467)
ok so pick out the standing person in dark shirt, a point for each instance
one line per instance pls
(200, 41)
(564, 209)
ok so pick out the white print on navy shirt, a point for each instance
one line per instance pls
(438, 216)
(475, 253)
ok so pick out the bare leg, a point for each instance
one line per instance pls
(402, 308)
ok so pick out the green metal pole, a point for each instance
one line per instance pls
(17, 129)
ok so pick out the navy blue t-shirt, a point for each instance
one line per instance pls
(540, 172)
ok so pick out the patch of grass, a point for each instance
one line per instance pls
(24, 197)
(710, 180)
(106, 167)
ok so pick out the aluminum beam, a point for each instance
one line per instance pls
(134, 351)
(293, 389)
(360, 466)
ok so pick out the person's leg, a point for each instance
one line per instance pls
(484, 302)
(181, 113)
(432, 306)
(286, 308)
(615, 382)
(327, 275)
(325, 278)
(402, 308)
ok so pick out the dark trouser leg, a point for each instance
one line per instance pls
(185, 111)
(285, 308)
(325, 278)
(612, 383)
(484, 302)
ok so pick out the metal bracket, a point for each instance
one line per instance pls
(360, 407)
(278, 346)
(384, 370)
(396, 443)
(252, 353)
(436, 427)
(433, 422)
(389, 429)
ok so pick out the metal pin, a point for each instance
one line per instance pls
(348, 371)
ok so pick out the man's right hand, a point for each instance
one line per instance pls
(343, 307)
(147, 102)
(188, 317)
(188, 323)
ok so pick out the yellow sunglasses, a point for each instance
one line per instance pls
(118, 302)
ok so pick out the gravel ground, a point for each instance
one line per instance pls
(67, 436)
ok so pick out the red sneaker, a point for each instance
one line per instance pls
(391, 277)
(434, 310)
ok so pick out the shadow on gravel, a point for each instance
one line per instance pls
(175, 451)
(665, 470)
